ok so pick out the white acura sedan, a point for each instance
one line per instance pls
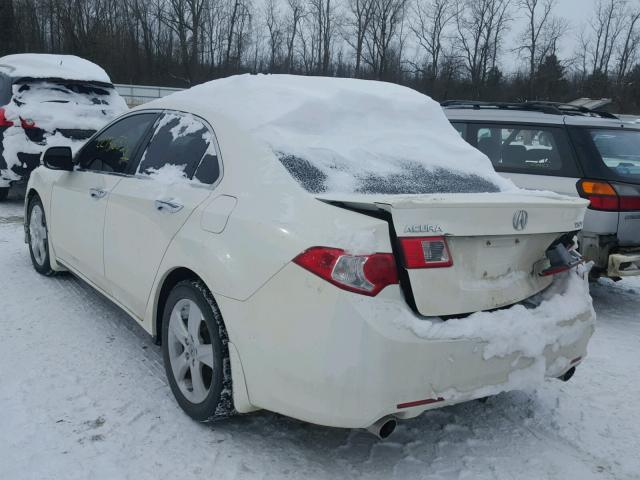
(328, 249)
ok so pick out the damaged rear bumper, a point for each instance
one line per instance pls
(339, 359)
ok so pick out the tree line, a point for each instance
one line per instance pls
(445, 48)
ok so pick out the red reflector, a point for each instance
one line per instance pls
(426, 252)
(3, 120)
(575, 360)
(417, 403)
(554, 271)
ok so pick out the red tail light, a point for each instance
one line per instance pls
(426, 252)
(3, 120)
(610, 197)
(364, 274)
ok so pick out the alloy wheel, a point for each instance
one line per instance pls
(38, 234)
(190, 351)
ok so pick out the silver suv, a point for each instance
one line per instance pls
(573, 151)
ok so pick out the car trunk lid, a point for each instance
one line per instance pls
(497, 243)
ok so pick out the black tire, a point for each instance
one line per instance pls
(40, 258)
(219, 400)
(4, 193)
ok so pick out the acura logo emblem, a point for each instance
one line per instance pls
(520, 219)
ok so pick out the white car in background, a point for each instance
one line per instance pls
(45, 101)
(302, 245)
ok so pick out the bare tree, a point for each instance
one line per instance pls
(385, 35)
(361, 14)
(480, 25)
(541, 34)
(185, 18)
(297, 13)
(628, 49)
(273, 23)
(430, 20)
(606, 25)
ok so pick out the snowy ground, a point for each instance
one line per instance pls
(83, 395)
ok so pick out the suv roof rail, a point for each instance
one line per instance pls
(553, 108)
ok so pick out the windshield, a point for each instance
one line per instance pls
(619, 150)
(399, 178)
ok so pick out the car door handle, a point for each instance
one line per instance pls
(168, 206)
(97, 193)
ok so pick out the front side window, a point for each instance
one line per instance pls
(181, 140)
(112, 150)
(619, 150)
(526, 149)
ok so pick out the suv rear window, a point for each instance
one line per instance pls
(619, 150)
(529, 149)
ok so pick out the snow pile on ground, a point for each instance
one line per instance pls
(41, 65)
(346, 135)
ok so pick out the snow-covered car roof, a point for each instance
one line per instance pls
(40, 65)
(345, 132)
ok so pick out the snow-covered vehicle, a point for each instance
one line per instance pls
(45, 101)
(303, 245)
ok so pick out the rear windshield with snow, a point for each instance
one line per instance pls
(52, 91)
(401, 178)
(65, 104)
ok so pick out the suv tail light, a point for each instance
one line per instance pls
(426, 252)
(610, 196)
(3, 120)
(364, 274)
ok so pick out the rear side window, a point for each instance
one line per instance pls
(209, 169)
(526, 149)
(619, 150)
(112, 150)
(181, 140)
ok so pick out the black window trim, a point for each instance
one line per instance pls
(136, 150)
(472, 132)
(147, 138)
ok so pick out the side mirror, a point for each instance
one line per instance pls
(58, 158)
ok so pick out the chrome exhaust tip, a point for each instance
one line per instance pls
(384, 427)
(565, 377)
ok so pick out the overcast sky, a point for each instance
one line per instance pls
(577, 12)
